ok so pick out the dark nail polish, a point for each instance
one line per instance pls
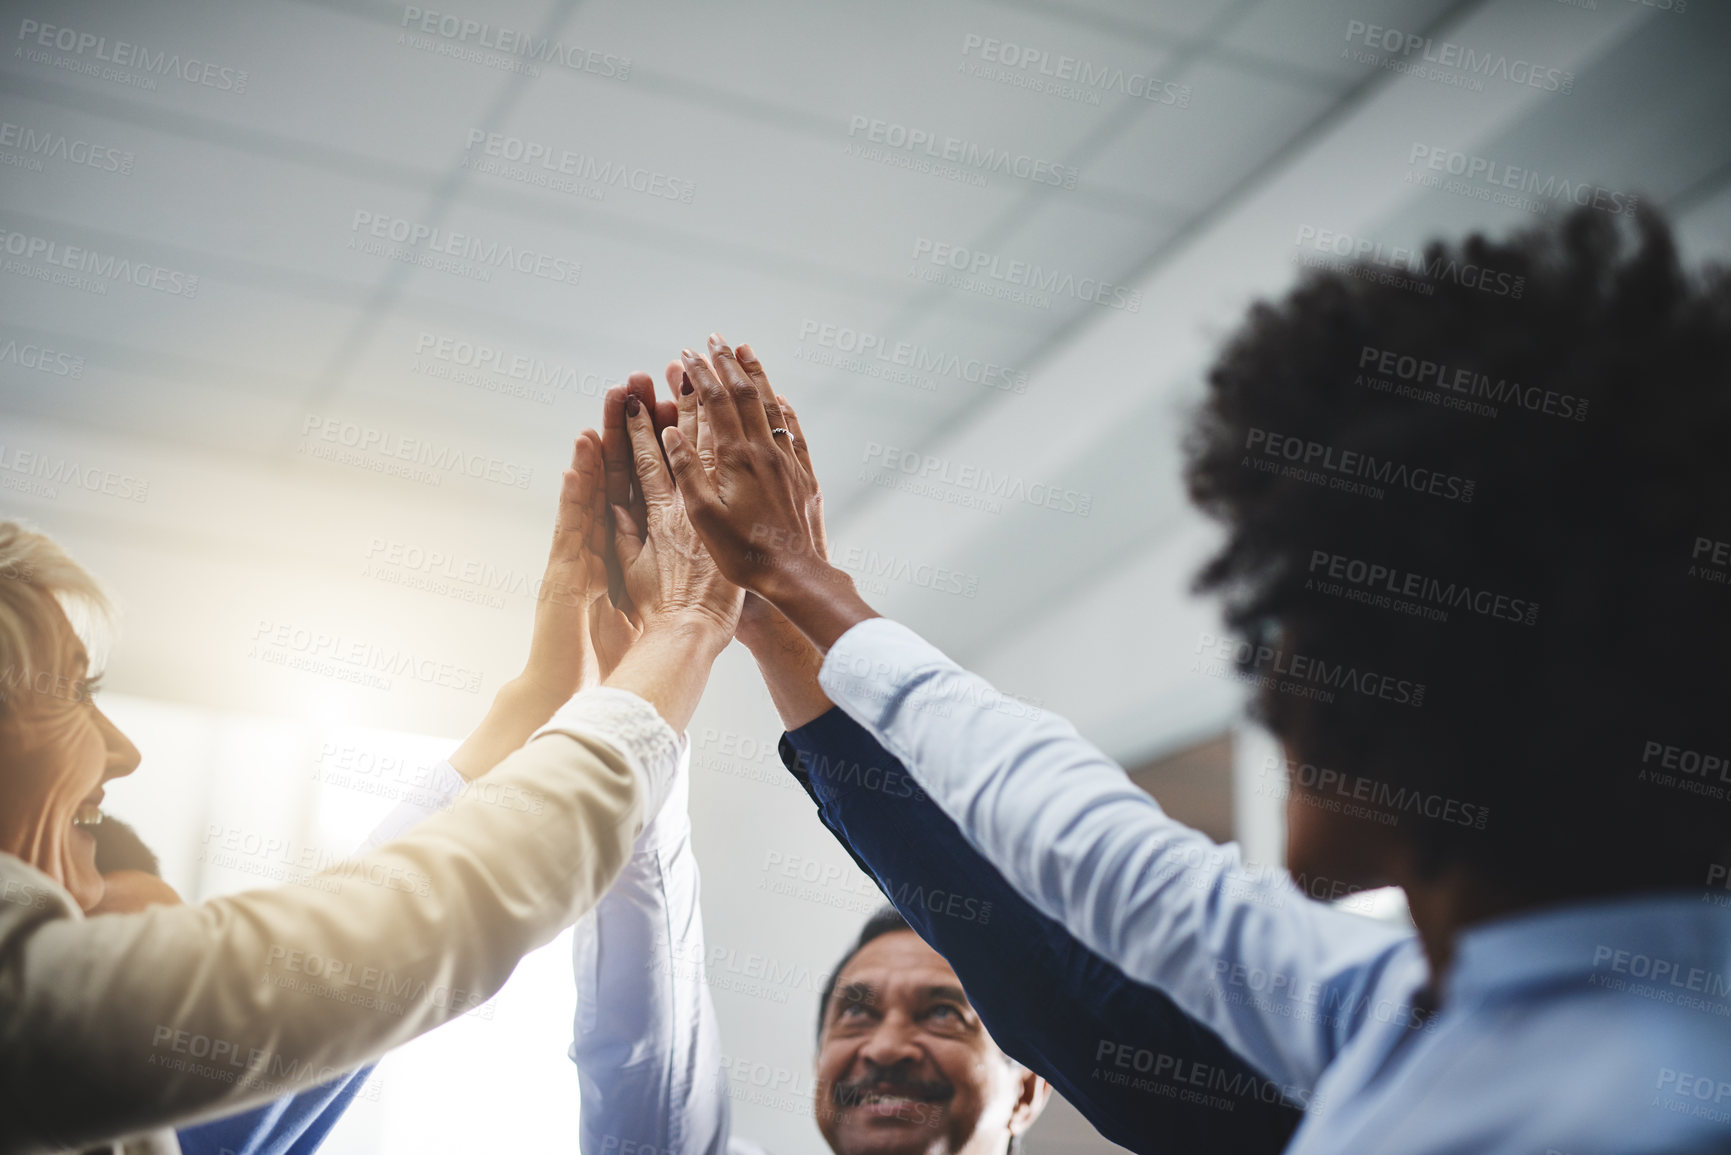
(633, 405)
(684, 385)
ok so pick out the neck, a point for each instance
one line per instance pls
(1447, 905)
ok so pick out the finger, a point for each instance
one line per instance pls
(652, 477)
(586, 462)
(685, 396)
(801, 451)
(771, 401)
(719, 408)
(695, 487)
(577, 489)
(666, 414)
(616, 447)
(747, 398)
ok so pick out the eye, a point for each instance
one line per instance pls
(88, 687)
(947, 1011)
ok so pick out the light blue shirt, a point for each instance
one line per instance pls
(1585, 1029)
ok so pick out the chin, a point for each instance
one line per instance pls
(861, 1135)
(82, 879)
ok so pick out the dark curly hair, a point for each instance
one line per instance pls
(1546, 422)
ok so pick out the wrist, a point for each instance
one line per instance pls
(528, 700)
(695, 631)
(821, 602)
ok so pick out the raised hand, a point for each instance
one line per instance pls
(560, 659)
(668, 576)
(754, 497)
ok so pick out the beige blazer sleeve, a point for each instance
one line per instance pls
(118, 1024)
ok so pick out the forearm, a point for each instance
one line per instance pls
(790, 666)
(646, 1043)
(819, 599)
(668, 666)
(517, 712)
(1064, 825)
(406, 937)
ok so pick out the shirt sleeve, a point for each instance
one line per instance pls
(1283, 980)
(444, 787)
(301, 1121)
(1121, 1053)
(122, 1023)
(646, 1042)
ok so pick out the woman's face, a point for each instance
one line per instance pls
(56, 751)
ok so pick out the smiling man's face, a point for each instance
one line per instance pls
(904, 1066)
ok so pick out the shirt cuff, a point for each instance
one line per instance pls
(444, 787)
(631, 725)
(672, 822)
(866, 669)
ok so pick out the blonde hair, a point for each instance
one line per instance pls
(32, 564)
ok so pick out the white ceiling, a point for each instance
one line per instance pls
(750, 104)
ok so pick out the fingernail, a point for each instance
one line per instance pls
(633, 404)
(684, 385)
(745, 353)
(715, 341)
(688, 354)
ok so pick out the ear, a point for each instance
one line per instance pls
(1034, 1092)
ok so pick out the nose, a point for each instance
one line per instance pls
(893, 1041)
(123, 756)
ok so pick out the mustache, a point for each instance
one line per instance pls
(854, 1092)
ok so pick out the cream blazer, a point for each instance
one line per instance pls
(115, 1026)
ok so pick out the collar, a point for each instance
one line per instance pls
(1670, 940)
